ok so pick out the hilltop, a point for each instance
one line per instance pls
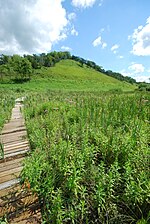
(59, 71)
(70, 75)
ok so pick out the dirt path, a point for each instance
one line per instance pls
(16, 204)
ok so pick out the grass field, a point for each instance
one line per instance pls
(90, 156)
(68, 75)
(89, 139)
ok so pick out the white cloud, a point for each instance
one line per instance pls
(31, 26)
(141, 40)
(121, 56)
(138, 77)
(114, 48)
(136, 68)
(72, 16)
(83, 3)
(71, 29)
(125, 73)
(65, 48)
(104, 45)
(74, 32)
(101, 2)
(98, 41)
(142, 78)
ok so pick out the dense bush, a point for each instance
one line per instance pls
(144, 87)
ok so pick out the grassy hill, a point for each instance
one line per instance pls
(70, 75)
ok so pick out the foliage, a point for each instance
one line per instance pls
(7, 100)
(47, 60)
(3, 220)
(22, 65)
(144, 86)
(15, 68)
(90, 156)
(68, 75)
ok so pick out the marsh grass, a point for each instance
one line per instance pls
(90, 156)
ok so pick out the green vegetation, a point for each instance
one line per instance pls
(3, 221)
(69, 75)
(7, 100)
(89, 138)
(98, 68)
(144, 87)
(15, 69)
(90, 156)
(21, 67)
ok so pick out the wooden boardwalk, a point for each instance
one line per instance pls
(18, 205)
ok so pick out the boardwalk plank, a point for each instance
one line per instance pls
(16, 203)
(11, 171)
(14, 147)
(11, 164)
(15, 144)
(9, 177)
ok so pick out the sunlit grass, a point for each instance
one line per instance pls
(90, 156)
(68, 75)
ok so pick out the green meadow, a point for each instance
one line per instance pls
(89, 139)
(68, 75)
(89, 160)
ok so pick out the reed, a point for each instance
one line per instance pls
(90, 156)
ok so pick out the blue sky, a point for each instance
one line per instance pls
(113, 33)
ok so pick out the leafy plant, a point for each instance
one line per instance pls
(89, 160)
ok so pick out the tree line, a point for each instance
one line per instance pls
(21, 67)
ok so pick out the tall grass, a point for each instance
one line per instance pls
(90, 157)
(6, 104)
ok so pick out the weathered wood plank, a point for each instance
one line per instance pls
(16, 203)
(10, 172)
(9, 177)
(15, 144)
(13, 130)
(15, 154)
(16, 149)
(11, 164)
(13, 147)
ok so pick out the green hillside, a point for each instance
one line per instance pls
(70, 75)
